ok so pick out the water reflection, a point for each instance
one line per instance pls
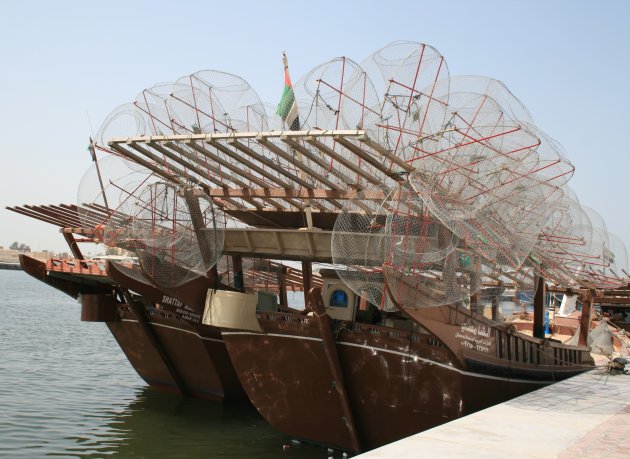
(67, 390)
(156, 424)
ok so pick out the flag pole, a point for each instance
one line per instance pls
(308, 211)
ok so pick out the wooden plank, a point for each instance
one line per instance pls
(183, 173)
(44, 211)
(35, 215)
(267, 162)
(282, 283)
(216, 181)
(237, 170)
(300, 165)
(369, 158)
(143, 162)
(314, 193)
(585, 318)
(385, 153)
(271, 164)
(611, 300)
(222, 136)
(74, 247)
(539, 308)
(341, 160)
(79, 231)
(262, 160)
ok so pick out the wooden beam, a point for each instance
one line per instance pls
(193, 167)
(385, 153)
(370, 158)
(169, 166)
(341, 160)
(72, 244)
(585, 318)
(321, 163)
(80, 231)
(315, 193)
(300, 165)
(239, 171)
(152, 337)
(263, 161)
(240, 135)
(143, 162)
(325, 325)
(237, 269)
(35, 215)
(539, 308)
(307, 274)
(282, 283)
(270, 164)
(235, 180)
(611, 300)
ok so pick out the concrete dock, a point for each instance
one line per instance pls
(587, 416)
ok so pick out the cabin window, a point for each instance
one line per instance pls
(339, 299)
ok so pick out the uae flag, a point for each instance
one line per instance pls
(287, 108)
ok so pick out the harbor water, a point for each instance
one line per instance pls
(67, 390)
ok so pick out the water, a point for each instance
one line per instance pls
(67, 390)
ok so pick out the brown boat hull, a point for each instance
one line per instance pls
(195, 352)
(198, 355)
(399, 383)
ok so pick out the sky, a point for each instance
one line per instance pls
(64, 65)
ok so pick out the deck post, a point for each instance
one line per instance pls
(585, 318)
(282, 283)
(307, 279)
(237, 269)
(539, 308)
(475, 280)
(495, 303)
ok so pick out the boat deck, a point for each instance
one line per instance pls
(584, 416)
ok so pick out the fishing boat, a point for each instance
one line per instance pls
(159, 330)
(411, 200)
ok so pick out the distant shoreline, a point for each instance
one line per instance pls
(9, 265)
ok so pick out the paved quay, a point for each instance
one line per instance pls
(587, 416)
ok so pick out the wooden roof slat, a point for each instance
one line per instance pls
(265, 161)
(181, 173)
(325, 149)
(73, 218)
(384, 152)
(34, 215)
(42, 210)
(300, 165)
(240, 135)
(368, 157)
(234, 179)
(240, 171)
(314, 193)
(143, 162)
(321, 163)
(191, 157)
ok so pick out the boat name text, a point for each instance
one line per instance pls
(475, 337)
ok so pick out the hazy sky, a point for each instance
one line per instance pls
(567, 61)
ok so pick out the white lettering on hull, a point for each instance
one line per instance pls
(475, 337)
